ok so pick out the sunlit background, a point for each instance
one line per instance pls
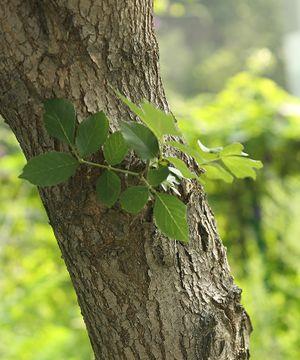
(231, 70)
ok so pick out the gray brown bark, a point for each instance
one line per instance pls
(142, 296)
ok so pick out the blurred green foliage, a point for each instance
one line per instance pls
(210, 40)
(258, 221)
(39, 315)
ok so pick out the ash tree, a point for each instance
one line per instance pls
(81, 90)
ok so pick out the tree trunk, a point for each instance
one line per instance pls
(142, 296)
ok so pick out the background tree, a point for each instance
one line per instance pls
(140, 295)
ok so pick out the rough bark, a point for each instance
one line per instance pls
(142, 296)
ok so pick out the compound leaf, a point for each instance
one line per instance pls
(233, 149)
(108, 188)
(134, 108)
(134, 198)
(140, 139)
(159, 122)
(170, 216)
(188, 150)
(217, 172)
(156, 176)
(92, 133)
(60, 119)
(182, 167)
(115, 148)
(242, 167)
(50, 168)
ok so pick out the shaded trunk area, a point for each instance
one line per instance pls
(142, 295)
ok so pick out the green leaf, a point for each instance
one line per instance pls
(115, 148)
(92, 133)
(134, 108)
(197, 152)
(156, 176)
(208, 154)
(59, 119)
(182, 167)
(242, 167)
(188, 150)
(50, 168)
(217, 172)
(134, 198)
(159, 122)
(171, 217)
(108, 188)
(209, 150)
(233, 149)
(140, 139)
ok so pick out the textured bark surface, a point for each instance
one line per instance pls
(142, 296)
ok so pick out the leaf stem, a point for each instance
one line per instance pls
(75, 152)
(108, 167)
(150, 187)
